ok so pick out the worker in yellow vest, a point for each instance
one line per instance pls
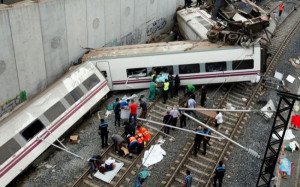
(166, 90)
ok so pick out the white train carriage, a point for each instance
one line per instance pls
(129, 67)
(47, 116)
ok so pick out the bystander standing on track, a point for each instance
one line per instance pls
(188, 179)
(133, 111)
(191, 103)
(103, 132)
(143, 105)
(198, 139)
(171, 86)
(219, 174)
(175, 114)
(129, 128)
(117, 111)
(167, 120)
(280, 8)
(152, 90)
(218, 120)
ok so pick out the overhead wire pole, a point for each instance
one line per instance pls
(250, 151)
(283, 113)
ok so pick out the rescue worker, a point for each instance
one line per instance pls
(118, 140)
(94, 162)
(103, 132)
(203, 96)
(171, 86)
(140, 142)
(117, 111)
(152, 90)
(132, 144)
(129, 129)
(143, 105)
(206, 140)
(167, 120)
(280, 8)
(145, 132)
(190, 89)
(176, 85)
(219, 174)
(166, 90)
(198, 139)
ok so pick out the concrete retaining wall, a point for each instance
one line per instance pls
(40, 40)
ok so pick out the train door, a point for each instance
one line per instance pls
(104, 67)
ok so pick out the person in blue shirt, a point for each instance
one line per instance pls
(103, 132)
(219, 174)
(188, 179)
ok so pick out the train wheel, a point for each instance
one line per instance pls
(212, 36)
(232, 38)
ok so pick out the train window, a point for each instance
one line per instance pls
(56, 110)
(163, 69)
(34, 128)
(74, 95)
(242, 64)
(189, 68)
(8, 149)
(136, 72)
(104, 73)
(215, 66)
(91, 82)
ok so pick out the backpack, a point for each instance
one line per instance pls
(143, 174)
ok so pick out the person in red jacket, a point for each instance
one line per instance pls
(133, 111)
(280, 7)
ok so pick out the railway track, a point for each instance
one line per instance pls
(131, 165)
(241, 95)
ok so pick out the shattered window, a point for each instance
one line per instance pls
(33, 129)
(136, 72)
(215, 66)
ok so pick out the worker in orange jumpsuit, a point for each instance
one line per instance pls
(132, 144)
(140, 142)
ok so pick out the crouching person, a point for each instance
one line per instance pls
(95, 164)
(132, 144)
(118, 141)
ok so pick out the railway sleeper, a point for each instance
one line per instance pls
(239, 95)
(236, 102)
(201, 164)
(90, 183)
(195, 170)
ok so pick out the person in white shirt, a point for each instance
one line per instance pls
(218, 119)
(175, 114)
(191, 104)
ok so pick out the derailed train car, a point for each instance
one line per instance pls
(129, 67)
(47, 117)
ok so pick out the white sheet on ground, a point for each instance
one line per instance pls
(154, 155)
(288, 135)
(109, 175)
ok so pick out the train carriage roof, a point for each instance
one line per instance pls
(155, 48)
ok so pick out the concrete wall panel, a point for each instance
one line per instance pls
(112, 22)
(96, 23)
(75, 11)
(27, 41)
(140, 15)
(127, 16)
(9, 82)
(54, 33)
(151, 10)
